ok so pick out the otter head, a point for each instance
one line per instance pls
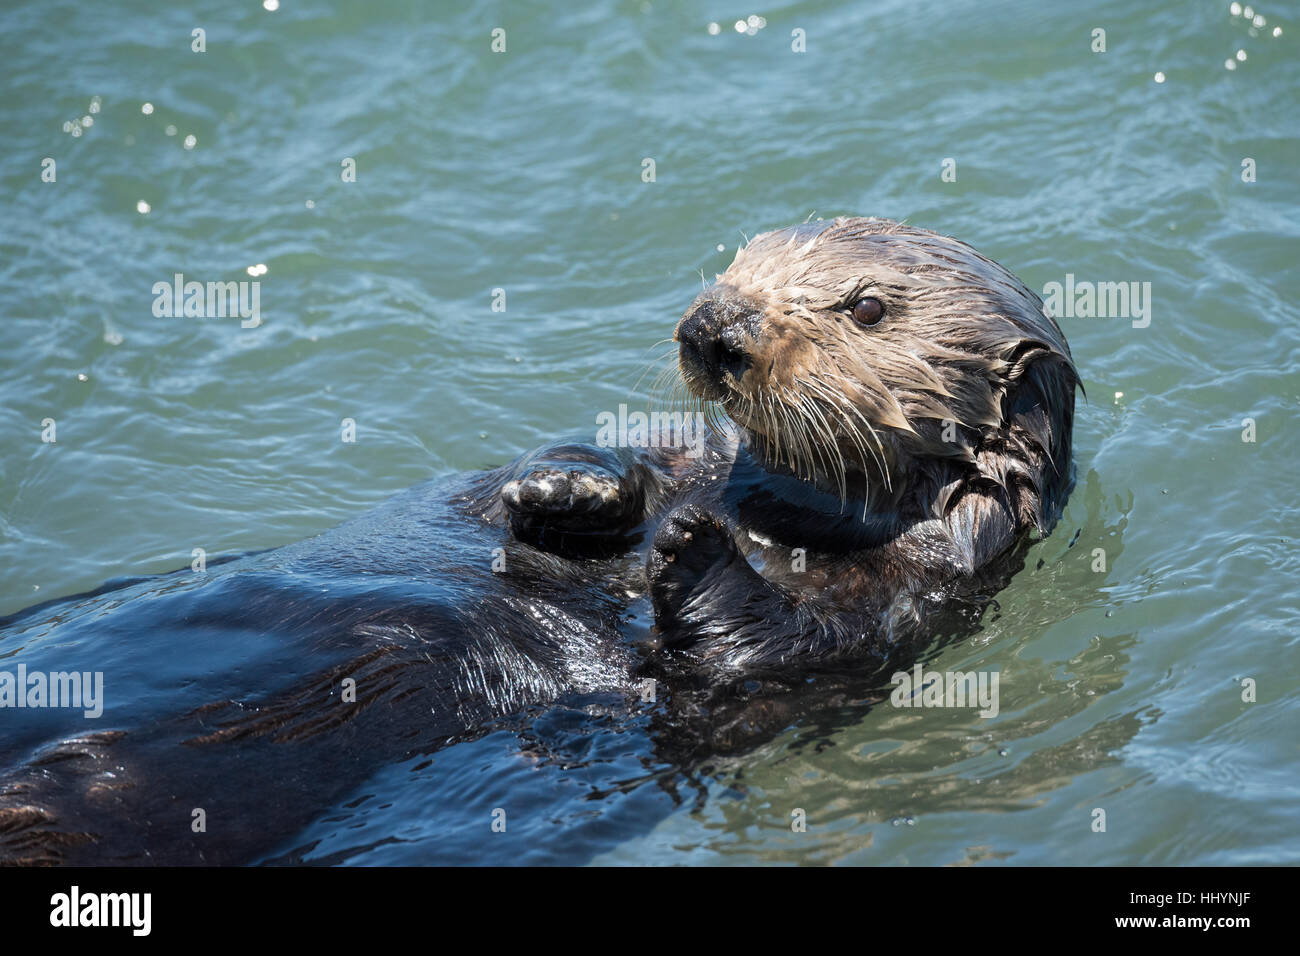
(864, 353)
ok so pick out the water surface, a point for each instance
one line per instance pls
(523, 171)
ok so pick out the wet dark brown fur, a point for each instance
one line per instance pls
(861, 481)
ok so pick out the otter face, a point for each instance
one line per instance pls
(861, 345)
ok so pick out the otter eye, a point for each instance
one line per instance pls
(868, 311)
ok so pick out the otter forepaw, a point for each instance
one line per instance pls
(578, 501)
(694, 540)
(693, 552)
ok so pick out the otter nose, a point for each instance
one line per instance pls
(698, 328)
(717, 337)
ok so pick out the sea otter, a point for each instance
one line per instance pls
(890, 420)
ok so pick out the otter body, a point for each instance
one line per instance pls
(897, 420)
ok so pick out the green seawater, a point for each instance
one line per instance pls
(1121, 689)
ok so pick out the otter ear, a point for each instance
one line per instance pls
(1028, 457)
(1038, 429)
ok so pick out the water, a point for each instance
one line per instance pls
(475, 171)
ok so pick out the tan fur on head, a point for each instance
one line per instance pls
(834, 399)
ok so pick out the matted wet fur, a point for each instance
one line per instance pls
(890, 420)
